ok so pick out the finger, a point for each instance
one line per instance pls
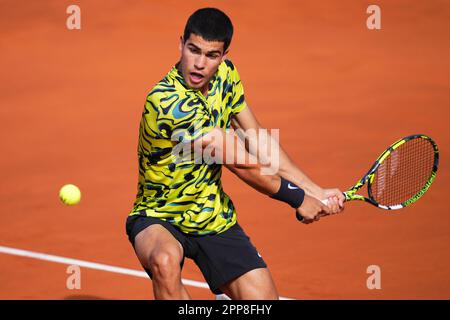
(307, 220)
(322, 214)
(325, 209)
(333, 205)
(341, 199)
(302, 219)
(336, 205)
(340, 204)
(314, 217)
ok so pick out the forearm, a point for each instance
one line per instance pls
(261, 144)
(267, 184)
(290, 171)
(268, 150)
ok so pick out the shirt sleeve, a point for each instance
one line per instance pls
(238, 99)
(177, 117)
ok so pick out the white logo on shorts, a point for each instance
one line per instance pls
(259, 255)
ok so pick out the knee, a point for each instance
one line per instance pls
(164, 264)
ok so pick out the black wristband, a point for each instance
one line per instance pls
(290, 193)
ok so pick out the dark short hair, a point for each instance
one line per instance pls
(211, 24)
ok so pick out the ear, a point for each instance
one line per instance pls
(224, 56)
(180, 46)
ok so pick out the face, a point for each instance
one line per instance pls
(200, 60)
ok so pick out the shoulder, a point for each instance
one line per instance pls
(228, 70)
(163, 95)
(229, 64)
(161, 90)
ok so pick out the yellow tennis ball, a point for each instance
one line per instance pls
(70, 194)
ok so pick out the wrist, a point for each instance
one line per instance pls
(289, 193)
(314, 191)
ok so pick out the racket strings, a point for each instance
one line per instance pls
(403, 173)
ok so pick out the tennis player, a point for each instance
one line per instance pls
(181, 209)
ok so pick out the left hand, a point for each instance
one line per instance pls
(335, 199)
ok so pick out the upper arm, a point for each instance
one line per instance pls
(245, 120)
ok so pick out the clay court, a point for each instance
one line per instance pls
(71, 102)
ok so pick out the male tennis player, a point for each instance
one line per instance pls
(181, 209)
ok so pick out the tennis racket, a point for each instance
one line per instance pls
(400, 175)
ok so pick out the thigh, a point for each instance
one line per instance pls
(256, 284)
(225, 257)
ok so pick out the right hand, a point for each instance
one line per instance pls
(312, 209)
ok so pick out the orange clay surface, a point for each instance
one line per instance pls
(71, 101)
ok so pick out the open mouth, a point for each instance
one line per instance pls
(196, 77)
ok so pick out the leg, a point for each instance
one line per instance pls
(159, 251)
(231, 264)
(256, 284)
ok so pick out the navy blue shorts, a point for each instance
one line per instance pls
(220, 257)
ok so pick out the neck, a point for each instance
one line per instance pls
(204, 90)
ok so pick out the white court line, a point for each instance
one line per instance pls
(93, 265)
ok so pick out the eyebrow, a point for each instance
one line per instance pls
(209, 52)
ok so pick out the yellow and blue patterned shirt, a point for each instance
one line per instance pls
(186, 193)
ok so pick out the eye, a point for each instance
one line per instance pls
(194, 50)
